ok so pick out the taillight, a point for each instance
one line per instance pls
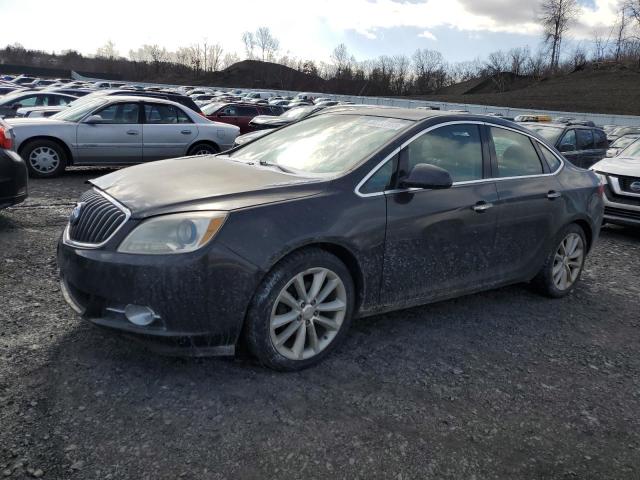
(5, 139)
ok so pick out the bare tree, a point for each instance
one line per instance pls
(497, 64)
(229, 59)
(342, 61)
(108, 50)
(267, 43)
(518, 58)
(600, 46)
(556, 17)
(214, 57)
(249, 44)
(429, 69)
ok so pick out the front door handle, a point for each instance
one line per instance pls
(132, 132)
(185, 132)
(482, 207)
(552, 195)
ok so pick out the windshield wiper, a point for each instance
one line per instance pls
(267, 164)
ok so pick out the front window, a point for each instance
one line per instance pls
(455, 148)
(324, 145)
(76, 112)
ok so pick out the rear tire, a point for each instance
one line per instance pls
(203, 149)
(44, 158)
(563, 266)
(301, 311)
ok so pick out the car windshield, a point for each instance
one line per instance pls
(632, 150)
(324, 145)
(622, 142)
(297, 113)
(77, 112)
(548, 133)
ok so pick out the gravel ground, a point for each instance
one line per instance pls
(504, 384)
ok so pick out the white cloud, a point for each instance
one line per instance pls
(304, 33)
(428, 35)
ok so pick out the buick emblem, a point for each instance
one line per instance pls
(635, 186)
(75, 213)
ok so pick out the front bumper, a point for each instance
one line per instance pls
(621, 209)
(199, 299)
(13, 179)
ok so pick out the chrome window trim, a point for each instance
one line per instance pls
(455, 184)
(92, 246)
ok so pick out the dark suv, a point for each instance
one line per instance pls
(13, 171)
(581, 145)
(174, 97)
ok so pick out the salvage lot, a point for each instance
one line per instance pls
(503, 384)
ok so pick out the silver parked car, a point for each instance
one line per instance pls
(621, 178)
(117, 130)
(9, 104)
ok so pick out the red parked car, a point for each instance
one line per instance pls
(238, 114)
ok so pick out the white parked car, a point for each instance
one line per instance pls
(621, 178)
(117, 130)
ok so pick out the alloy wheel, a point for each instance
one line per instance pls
(568, 261)
(44, 159)
(308, 313)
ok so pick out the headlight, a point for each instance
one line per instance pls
(176, 233)
(602, 177)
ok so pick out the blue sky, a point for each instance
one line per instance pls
(460, 29)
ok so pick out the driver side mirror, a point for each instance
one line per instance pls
(93, 119)
(425, 175)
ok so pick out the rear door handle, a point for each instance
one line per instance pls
(552, 195)
(132, 132)
(185, 132)
(482, 207)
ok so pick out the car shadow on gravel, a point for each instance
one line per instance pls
(491, 376)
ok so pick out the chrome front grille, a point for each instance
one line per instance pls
(97, 220)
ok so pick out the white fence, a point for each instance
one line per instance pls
(597, 118)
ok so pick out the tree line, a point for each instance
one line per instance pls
(424, 72)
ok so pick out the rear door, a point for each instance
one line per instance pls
(530, 203)
(117, 138)
(440, 242)
(568, 145)
(167, 131)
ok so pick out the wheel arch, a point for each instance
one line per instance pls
(62, 143)
(204, 142)
(343, 253)
(587, 228)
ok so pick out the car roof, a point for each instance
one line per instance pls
(139, 98)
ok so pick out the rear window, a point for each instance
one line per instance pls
(548, 133)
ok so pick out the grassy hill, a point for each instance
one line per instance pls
(614, 90)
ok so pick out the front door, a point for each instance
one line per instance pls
(116, 138)
(440, 242)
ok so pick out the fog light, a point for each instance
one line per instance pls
(139, 315)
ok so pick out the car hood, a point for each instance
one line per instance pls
(249, 137)
(40, 121)
(202, 183)
(270, 120)
(625, 166)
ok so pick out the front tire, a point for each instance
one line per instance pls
(563, 266)
(44, 158)
(301, 311)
